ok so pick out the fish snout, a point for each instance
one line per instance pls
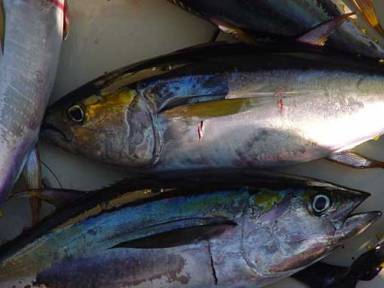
(356, 224)
(53, 133)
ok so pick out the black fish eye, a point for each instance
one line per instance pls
(76, 113)
(321, 203)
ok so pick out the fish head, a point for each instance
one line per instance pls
(286, 231)
(115, 128)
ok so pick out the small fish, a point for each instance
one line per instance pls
(224, 106)
(31, 32)
(364, 268)
(254, 21)
(204, 228)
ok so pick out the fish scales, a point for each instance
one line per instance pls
(33, 38)
(225, 105)
(244, 227)
(267, 19)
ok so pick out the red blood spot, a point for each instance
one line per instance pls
(63, 6)
(280, 104)
(200, 128)
(58, 4)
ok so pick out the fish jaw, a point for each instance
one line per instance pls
(356, 224)
(289, 240)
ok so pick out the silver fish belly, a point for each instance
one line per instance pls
(312, 115)
(33, 37)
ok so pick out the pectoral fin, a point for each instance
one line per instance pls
(367, 8)
(318, 36)
(355, 160)
(204, 108)
(178, 237)
(2, 25)
(174, 233)
(212, 109)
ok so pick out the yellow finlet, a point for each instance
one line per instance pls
(367, 8)
(376, 138)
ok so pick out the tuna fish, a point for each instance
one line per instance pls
(32, 39)
(262, 20)
(224, 105)
(197, 229)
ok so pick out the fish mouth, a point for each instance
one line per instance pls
(356, 224)
(47, 128)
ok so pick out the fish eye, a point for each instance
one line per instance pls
(321, 203)
(76, 113)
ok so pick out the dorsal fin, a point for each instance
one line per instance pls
(319, 35)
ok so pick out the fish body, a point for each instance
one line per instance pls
(33, 37)
(284, 18)
(225, 105)
(205, 228)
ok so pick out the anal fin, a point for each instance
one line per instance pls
(355, 160)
